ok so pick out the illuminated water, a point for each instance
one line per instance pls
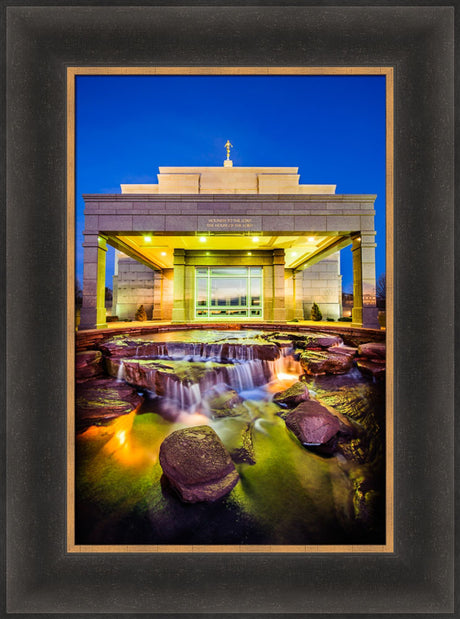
(291, 496)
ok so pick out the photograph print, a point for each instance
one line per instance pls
(231, 313)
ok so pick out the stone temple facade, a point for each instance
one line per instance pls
(228, 244)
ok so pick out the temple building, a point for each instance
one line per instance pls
(216, 244)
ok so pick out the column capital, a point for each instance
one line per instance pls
(95, 240)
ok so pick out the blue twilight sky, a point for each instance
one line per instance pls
(332, 128)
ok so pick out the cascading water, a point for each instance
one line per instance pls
(186, 372)
(332, 500)
(121, 372)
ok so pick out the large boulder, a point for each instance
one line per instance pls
(372, 350)
(104, 399)
(88, 363)
(293, 395)
(316, 363)
(316, 426)
(197, 465)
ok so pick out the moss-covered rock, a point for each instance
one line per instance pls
(88, 364)
(197, 465)
(225, 403)
(104, 399)
(293, 395)
(316, 363)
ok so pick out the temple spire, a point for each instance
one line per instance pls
(228, 162)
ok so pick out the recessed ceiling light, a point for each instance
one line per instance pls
(148, 239)
(293, 253)
(202, 239)
(255, 239)
(311, 239)
(249, 253)
(163, 253)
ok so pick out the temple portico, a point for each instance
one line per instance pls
(227, 244)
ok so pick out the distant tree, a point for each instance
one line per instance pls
(381, 291)
(315, 313)
(78, 294)
(141, 314)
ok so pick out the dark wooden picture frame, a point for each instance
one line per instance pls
(42, 42)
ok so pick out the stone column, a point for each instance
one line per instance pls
(268, 292)
(298, 294)
(157, 294)
(178, 313)
(279, 308)
(93, 307)
(365, 310)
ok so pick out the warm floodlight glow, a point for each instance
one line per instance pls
(249, 253)
(163, 253)
(293, 253)
(255, 239)
(311, 239)
(202, 239)
(147, 239)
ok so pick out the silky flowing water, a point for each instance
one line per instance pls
(290, 496)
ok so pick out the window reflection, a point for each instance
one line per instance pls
(228, 292)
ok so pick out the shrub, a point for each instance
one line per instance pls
(315, 312)
(141, 314)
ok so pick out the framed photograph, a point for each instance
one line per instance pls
(203, 227)
(228, 397)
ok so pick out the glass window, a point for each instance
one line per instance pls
(201, 292)
(228, 292)
(226, 271)
(256, 286)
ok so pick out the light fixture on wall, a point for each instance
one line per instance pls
(202, 239)
(255, 239)
(148, 239)
(311, 239)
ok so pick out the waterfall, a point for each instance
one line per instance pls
(286, 366)
(231, 365)
(121, 372)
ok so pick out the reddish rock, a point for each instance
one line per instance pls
(102, 400)
(372, 350)
(322, 340)
(315, 425)
(88, 364)
(294, 395)
(343, 350)
(125, 347)
(197, 465)
(375, 369)
(316, 363)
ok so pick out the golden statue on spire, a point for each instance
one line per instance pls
(228, 146)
